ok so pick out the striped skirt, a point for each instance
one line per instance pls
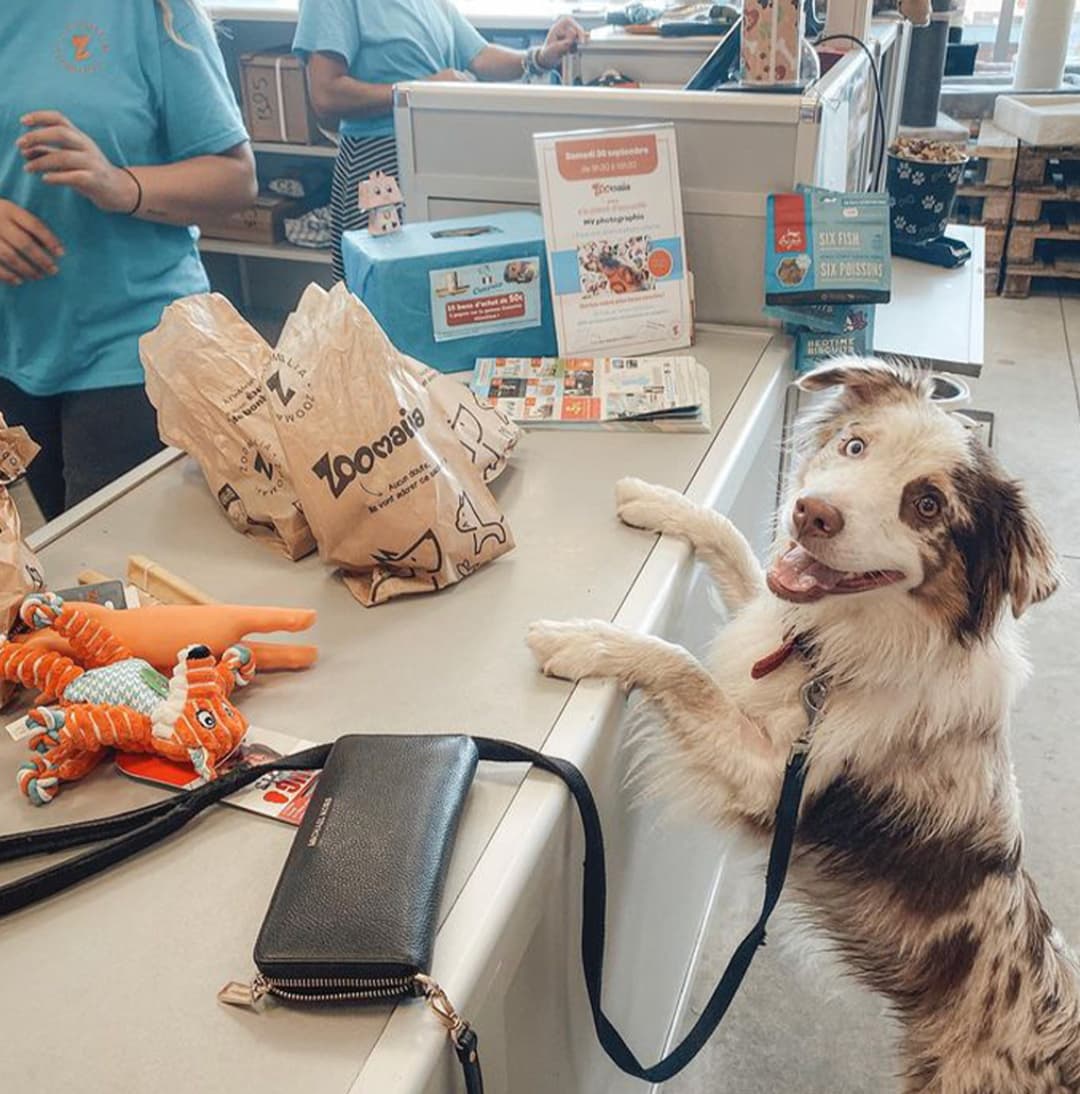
(357, 157)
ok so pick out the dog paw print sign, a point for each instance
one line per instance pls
(380, 197)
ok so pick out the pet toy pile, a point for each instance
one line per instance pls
(108, 698)
(113, 679)
(335, 438)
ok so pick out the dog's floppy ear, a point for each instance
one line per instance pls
(1033, 564)
(1004, 546)
(869, 379)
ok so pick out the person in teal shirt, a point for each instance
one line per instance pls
(356, 50)
(118, 130)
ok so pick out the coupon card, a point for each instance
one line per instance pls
(282, 795)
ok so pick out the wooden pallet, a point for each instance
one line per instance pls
(995, 239)
(989, 205)
(1035, 165)
(992, 279)
(1060, 235)
(1019, 275)
(1045, 203)
(993, 158)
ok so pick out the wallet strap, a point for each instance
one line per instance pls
(126, 833)
(594, 906)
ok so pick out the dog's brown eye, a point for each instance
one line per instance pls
(853, 446)
(928, 507)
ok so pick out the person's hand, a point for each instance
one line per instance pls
(450, 75)
(28, 250)
(564, 37)
(64, 155)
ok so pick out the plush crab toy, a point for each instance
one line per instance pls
(107, 698)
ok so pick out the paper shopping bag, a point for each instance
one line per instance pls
(204, 367)
(390, 466)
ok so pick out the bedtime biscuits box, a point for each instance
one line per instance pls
(827, 248)
(449, 291)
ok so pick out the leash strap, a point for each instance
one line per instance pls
(594, 904)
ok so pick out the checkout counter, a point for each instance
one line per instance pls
(467, 149)
(111, 987)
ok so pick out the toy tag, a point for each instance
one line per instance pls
(111, 594)
(153, 679)
(20, 729)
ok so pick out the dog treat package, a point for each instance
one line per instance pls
(390, 464)
(851, 335)
(204, 367)
(20, 571)
(823, 247)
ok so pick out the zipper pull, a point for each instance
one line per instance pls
(238, 994)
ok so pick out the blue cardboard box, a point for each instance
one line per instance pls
(449, 291)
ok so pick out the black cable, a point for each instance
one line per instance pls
(879, 102)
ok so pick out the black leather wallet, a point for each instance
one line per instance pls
(355, 910)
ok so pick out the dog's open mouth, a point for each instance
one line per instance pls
(798, 576)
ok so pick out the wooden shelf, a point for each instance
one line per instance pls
(281, 149)
(278, 251)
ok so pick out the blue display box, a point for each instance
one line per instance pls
(449, 291)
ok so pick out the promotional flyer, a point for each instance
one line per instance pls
(616, 248)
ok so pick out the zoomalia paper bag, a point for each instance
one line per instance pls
(394, 492)
(20, 571)
(204, 368)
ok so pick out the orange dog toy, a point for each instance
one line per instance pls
(156, 633)
(111, 699)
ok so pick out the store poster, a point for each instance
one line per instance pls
(487, 298)
(613, 223)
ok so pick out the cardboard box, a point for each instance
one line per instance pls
(273, 88)
(263, 222)
(449, 291)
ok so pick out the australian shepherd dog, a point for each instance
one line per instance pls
(905, 556)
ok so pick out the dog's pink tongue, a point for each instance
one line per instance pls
(799, 573)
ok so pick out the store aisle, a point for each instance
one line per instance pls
(794, 1030)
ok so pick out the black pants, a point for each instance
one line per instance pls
(87, 438)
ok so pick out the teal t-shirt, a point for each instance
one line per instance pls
(386, 42)
(111, 68)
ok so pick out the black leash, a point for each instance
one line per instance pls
(594, 894)
(128, 833)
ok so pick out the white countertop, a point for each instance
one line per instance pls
(127, 965)
(937, 314)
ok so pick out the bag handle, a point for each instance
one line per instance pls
(128, 833)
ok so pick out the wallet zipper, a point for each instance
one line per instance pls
(316, 989)
(344, 990)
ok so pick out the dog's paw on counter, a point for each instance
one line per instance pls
(651, 508)
(578, 648)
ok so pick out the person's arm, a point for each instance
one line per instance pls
(335, 94)
(500, 63)
(183, 192)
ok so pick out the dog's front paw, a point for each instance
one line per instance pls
(643, 505)
(575, 650)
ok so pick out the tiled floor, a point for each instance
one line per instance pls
(792, 1030)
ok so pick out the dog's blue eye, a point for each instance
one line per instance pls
(854, 446)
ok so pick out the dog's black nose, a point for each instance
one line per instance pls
(816, 518)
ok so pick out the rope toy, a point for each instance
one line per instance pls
(106, 698)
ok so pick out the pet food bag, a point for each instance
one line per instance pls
(204, 367)
(389, 464)
(20, 571)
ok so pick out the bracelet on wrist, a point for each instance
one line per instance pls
(138, 187)
(532, 62)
